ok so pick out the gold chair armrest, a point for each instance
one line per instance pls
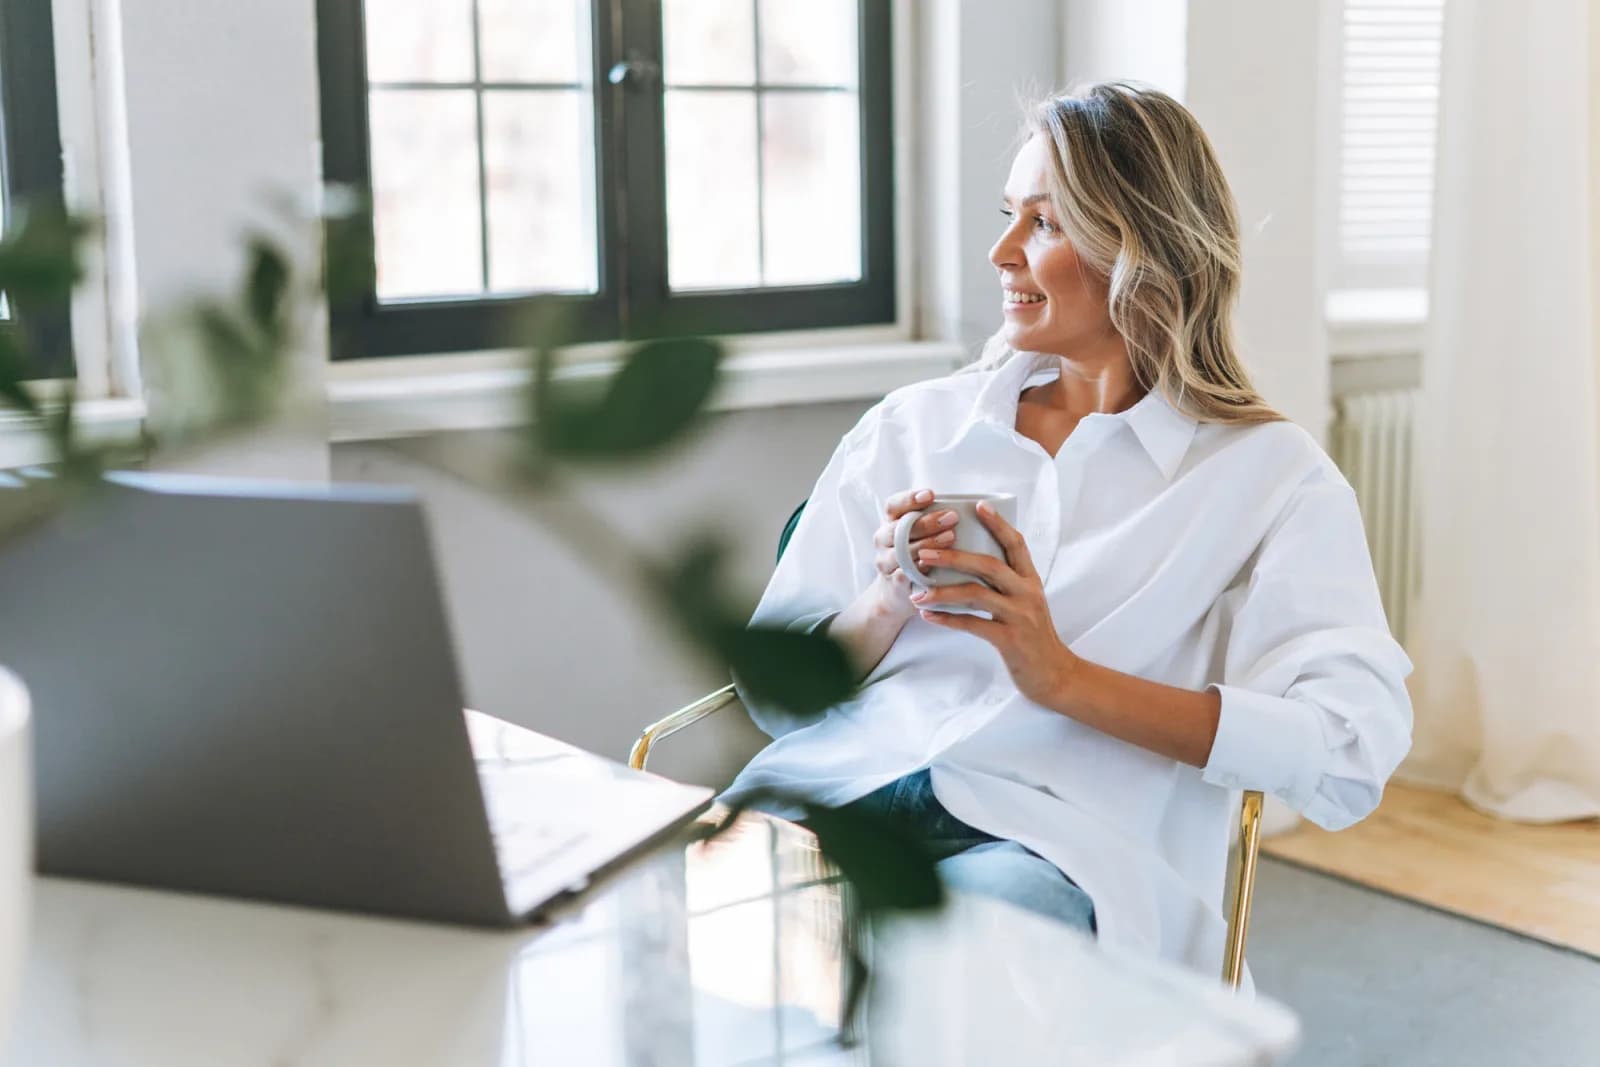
(1239, 921)
(685, 716)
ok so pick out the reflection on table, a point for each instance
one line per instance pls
(709, 954)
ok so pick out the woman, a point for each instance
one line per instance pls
(1187, 607)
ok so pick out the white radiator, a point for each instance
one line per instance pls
(1372, 438)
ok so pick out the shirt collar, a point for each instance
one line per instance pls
(1163, 430)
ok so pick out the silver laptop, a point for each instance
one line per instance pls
(250, 689)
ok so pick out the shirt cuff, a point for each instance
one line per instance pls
(1267, 743)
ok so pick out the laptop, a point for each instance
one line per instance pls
(249, 689)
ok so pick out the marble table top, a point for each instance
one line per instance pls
(725, 953)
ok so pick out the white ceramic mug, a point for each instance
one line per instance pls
(16, 845)
(971, 535)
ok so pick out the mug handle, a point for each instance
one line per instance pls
(902, 549)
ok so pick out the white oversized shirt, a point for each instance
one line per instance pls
(1193, 554)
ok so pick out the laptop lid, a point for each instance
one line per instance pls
(249, 689)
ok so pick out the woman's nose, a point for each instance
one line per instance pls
(1007, 251)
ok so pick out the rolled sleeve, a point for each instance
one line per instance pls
(1314, 703)
(1262, 744)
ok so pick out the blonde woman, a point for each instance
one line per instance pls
(1187, 607)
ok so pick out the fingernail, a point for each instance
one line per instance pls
(948, 518)
(948, 537)
(928, 553)
(919, 596)
(924, 495)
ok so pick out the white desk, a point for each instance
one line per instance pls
(725, 954)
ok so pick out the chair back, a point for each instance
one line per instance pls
(788, 529)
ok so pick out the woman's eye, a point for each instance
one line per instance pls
(1039, 221)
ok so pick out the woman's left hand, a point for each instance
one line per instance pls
(1021, 631)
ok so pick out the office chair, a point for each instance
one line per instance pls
(1242, 866)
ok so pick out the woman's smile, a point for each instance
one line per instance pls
(1018, 300)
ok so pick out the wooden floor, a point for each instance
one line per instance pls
(1543, 881)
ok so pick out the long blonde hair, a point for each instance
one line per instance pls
(1143, 200)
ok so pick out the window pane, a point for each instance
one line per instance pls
(541, 205)
(712, 223)
(419, 40)
(708, 42)
(425, 192)
(808, 42)
(534, 40)
(811, 164)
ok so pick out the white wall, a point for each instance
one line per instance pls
(1255, 81)
(207, 111)
(1114, 40)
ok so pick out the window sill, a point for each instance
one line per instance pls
(370, 403)
(23, 445)
(366, 403)
(1375, 323)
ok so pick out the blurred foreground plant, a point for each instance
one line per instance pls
(220, 365)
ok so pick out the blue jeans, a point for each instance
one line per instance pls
(972, 861)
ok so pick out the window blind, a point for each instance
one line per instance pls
(1389, 115)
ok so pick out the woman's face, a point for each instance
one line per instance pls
(1051, 302)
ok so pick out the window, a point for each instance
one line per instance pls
(1389, 114)
(656, 166)
(30, 158)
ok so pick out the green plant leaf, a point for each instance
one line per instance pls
(349, 267)
(246, 368)
(889, 867)
(220, 364)
(693, 585)
(39, 255)
(651, 402)
(266, 286)
(804, 674)
(13, 374)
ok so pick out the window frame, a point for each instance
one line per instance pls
(629, 135)
(30, 160)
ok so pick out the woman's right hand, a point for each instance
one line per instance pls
(933, 530)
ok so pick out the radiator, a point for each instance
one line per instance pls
(1373, 441)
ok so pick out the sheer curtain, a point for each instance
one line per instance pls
(1506, 621)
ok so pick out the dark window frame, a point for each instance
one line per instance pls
(30, 160)
(634, 300)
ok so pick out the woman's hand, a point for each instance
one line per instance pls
(1022, 631)
(932, 531)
